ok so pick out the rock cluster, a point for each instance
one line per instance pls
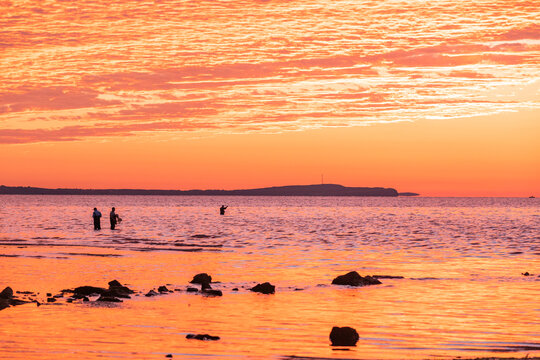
(354, 279)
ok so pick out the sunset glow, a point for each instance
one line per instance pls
(439, 97)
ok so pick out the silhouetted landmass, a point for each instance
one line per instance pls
(293, 190)
(408, 194)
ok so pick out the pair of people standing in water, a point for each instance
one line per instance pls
(113, 217)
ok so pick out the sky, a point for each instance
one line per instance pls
(440, 98)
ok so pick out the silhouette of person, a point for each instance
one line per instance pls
(222, 209)
(97, 219)
(113, 216)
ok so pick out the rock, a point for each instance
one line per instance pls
(49, 294)
(235, 289)
(116, 292)
(151, 293)
(354, 279)
(202, 337)
(343, 336)
(163, 289)
(526, 273)
(114, 283)
(211, 292)
(119, 288)
(265, 288)
(69, 300)
(7, 293)
(190, 289)
(205, 286)
(88, 290)
(168, 356)
(85, 299)
(108, 299)
(202, 278)
(51, 299)
(4, 303)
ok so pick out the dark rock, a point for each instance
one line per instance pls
(4, 303)
(526, 273)
(265, 288)
(205, 286)
(51, 299)
(202, 337)
(85, 299)
(163, 289)
(116, 287)
(235, 289)
(115, 292)
(211, 292)
(69, 300)
(25, 292)
(114, 283)
(151, 293)
(108, 299)
(354, 279)
(343, 336)
(202, 278)
(49, 294)
(190, 289)
(88, 290)
(7, 293)
(168, 356)
(15, 302)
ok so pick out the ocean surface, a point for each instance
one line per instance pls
(461, 259)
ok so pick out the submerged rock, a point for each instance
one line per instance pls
(108, 299)
(526, 273)
(51, 299)
(202, 337)
(354, 279)
(151, 293)
(344, 336)
(386, 277)
(202, 278)
(190, 289)
(265, 288)
(211, 292)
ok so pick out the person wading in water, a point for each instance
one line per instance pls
(97, 219)
(113, 216)
(222, 209)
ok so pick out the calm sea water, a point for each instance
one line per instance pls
(462, 292)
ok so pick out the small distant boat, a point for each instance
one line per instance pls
(531, 197)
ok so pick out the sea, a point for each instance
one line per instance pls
(460, 277)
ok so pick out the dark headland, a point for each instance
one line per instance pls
(291, 190)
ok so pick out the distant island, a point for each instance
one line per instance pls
(291, 190)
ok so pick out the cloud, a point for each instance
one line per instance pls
(531, 31)
(51, 98)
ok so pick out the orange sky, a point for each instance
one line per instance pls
(441, 98)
